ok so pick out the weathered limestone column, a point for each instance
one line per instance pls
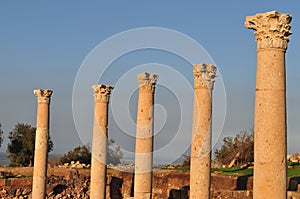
(41, 144)
(270, 173)
(204, 75)
(144, 137)
(99, 145)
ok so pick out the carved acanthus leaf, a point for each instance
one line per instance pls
(147, 81)
(204, 75)
(271, 29)
(102, 92)
(43, 96)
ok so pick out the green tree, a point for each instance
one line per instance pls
(186, 161)
(83, 154)
(236, 151)
(1, 135)
(22, 144)
(79, 153)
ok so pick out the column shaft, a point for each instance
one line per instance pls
(201, 135)
(270, 126)
(99, 145)
(201, 145)
(41, 145)
(144, 137)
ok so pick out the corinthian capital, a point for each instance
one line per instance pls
(43, 96)
(271, 29)
(102, 92)
(147, 81)
(204, 75)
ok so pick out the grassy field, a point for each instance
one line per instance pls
(294, 171)
(234, 171)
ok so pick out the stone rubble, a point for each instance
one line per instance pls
(75, 165)
(294, 158)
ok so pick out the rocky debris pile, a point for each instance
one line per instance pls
(71, 189)
(75, 165)
(73, 185)
(15, 193)
(295, 158)
(170, 166)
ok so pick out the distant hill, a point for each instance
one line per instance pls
(3, 159)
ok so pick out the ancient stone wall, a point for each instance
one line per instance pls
(71, 183)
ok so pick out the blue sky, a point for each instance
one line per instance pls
(43, 44)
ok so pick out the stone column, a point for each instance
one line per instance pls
(204, 75)
(144, 137)
(270, 172)
(41, 144)
(99, 145)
